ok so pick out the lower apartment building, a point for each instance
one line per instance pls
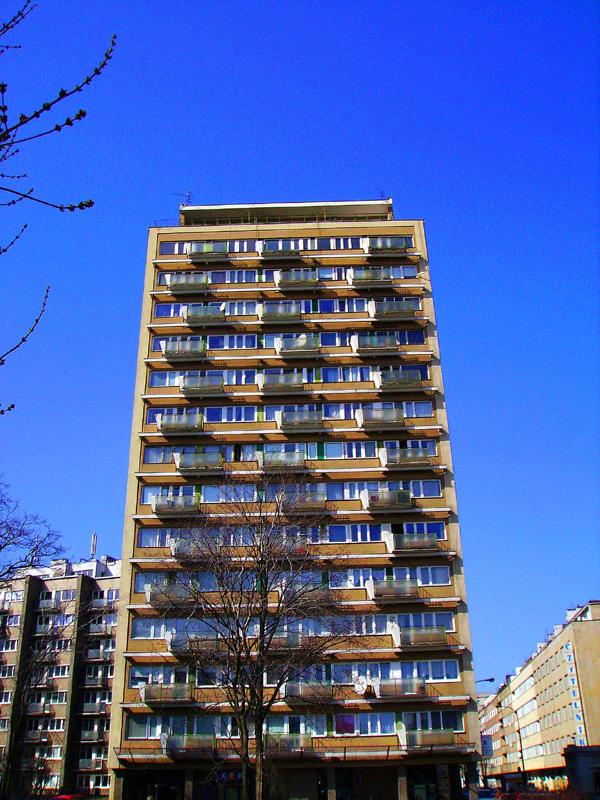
(57, 642)
(551, 703)
(294, 342)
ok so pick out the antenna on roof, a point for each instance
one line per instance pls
(188, 197)
(93, 547)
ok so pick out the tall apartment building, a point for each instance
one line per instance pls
(57, 642)
(552, 702)
(301, 335)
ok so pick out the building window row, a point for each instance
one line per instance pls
(323, 305)
(285, 245)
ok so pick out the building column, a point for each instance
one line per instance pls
(330, 783)
(472, 781)
(402, 783)
(188, 789)
(116, 786)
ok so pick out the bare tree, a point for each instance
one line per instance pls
(23, 128)
(25, 539)
(257, 608)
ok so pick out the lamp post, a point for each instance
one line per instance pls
(518, 727)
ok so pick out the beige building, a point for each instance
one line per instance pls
(552, 702)
(301, 335)
(57, 641)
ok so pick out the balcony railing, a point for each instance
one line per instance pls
(161, 597)
(90, 763)
(377, 417)
(419, 637)
(302, 419)
(394, 309)
(444, 738)
(372, 275)
(418, 541)
(191, 746)
(190, 551)
(289, 641)
(307, 501)
(194, 282)
(37, 736)
(402, 687)
(368, 343)
(49, 603)
(93, 736)
(96, 654)
(287, 744)
(401, 379)
(392, 591)
(200, 385)
(177, 693)
(170, 423)
(99, 707)
(201, 315)
(184, 644)
(298, 277)
(287, 381)
(410, 455)
(38, 708)
(102, 602)
(387, 499)
(301, 345)
(198, 462)
(309, 692)
(281, 311)
(184, 348)
(286, 460)
(99, 627)
(186, 504)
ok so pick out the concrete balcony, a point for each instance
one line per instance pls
(304, 420)
(99, 628)
(293, 460)
(103, 603)
(186, 283)
(176, 506)
(281, 312)
(301, 346)
(97, 735)
(307, 501)
(179, 423)
(386, 500)
(297, 277)
(220, 253)
(37, 736)
(292, 640)
(276, 254)
(99, 707)
(191, 747)
(288, 382)
(176, 694)
(394, 309)
(38, 708)
(393, 591)
(97, 682)
(198, 316)
(198, 462)
(367, 343)
(184, 349)
(50, 603)
(198, 386)
(401, 379)
(382, 417)
(191, 552)
(96, 654)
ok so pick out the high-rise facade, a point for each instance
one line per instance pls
(57, 642)
(302, 335)
(552, 702)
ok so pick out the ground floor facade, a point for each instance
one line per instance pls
(427, 780)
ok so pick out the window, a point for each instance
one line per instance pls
(8, 645)
(438, 619)
(365, 724)
(433, 720)
(353, 533)
(142, 727)
(13, 620)
(5, 698)
(7, 671)
(431, 670)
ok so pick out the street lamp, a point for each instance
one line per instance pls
(518, 727)
(486, 680)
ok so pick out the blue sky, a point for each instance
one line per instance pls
(481, 118)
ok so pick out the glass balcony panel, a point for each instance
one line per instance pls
(173, 422)
(302, 344)
(376, 416)
(171, 693)
(422, 636)
(397, 378)
(396, 589)
(392, 308)
(174, 505)
(284, 459)
(275, 383)
(195, 281)
(442, 738)
(282, 310)
(417, 541)
(207, 384)
(411, 455)
(200, 461)
(287, 743)
(300, 419)
(384, 498)
(371, 342)
(298, 277)
(402, 687)
(185, 347)
(198, 314)
(372, 274)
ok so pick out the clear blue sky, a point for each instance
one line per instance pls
(480, 117)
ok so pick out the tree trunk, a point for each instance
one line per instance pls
(245, 781)
(260, 761)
